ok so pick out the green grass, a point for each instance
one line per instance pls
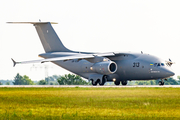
(89, 103)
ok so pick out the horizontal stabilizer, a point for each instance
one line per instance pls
(14, 62)
(32, 22)
(49, 39)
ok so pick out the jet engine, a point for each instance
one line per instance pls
(105, 68)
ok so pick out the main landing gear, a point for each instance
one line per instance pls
(122, 82)
(94, 83)
(101, 82)
(117, 82)
(161, 82)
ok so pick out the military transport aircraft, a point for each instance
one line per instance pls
(99, 67)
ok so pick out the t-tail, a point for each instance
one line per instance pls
(48, 36)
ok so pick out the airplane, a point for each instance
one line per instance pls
(99, 68)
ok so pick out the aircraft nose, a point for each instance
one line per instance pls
(169, 72)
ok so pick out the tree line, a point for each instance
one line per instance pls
(71, 79)
(67, 79)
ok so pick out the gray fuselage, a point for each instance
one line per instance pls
(130, 66)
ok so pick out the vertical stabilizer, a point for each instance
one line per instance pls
(48, 36)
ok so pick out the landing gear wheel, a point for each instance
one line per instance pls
(124, 82)
(101, 84)
(117, 82)
(104, 79)
(161, 83)
(94, 84)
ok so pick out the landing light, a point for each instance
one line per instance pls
(91, 68)
(114, 79)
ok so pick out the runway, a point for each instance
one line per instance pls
(87, 86)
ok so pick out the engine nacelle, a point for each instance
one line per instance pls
(105, 68)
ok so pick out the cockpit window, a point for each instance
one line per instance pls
(158, 64)
(162, 64)
(155, 64)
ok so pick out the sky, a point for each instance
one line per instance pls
(151, 26)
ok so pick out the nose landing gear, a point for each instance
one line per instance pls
(161, 82)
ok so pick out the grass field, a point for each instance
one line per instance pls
(89, 103)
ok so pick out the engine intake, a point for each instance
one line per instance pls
(105, 68)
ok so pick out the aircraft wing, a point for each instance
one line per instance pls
(77, 56)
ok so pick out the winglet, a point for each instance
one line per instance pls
(14, 62)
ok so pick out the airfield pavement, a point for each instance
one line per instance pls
(87, 86)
